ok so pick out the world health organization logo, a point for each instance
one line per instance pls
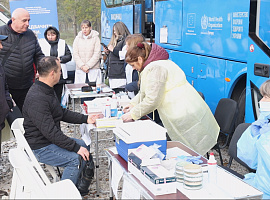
(204, 22)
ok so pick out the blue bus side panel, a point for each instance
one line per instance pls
(207, 27)
(256, 55)
(112, 15)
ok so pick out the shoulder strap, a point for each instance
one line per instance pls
(10, 49)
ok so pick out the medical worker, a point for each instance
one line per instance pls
(253, 147)
(163, 86)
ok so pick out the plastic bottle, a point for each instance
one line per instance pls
(119, 113)
(212, 169)
(108, 109)
(114, 105)
(98, 84)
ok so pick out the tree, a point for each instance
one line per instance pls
(75, 11)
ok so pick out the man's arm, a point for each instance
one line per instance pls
(39, 114)
(8, 97)
(38, 53)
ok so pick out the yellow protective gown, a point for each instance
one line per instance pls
(183, 112)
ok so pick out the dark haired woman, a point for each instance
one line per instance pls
(163, 86)
(52, 45)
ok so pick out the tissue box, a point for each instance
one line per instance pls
(156, 189)
(131, 135)
(157, 174)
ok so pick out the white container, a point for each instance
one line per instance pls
(108, 109)
(212, 169)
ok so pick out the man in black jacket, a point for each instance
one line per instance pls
(20, 51)
(5, 99)
(42, 115)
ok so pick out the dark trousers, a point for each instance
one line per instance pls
(18, 95)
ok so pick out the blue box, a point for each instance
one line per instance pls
(131, 135)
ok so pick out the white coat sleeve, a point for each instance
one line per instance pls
(154, 91)
(96, 55)
(76, 56)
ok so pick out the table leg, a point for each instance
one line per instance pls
(74, 126)
(97, 163)
(110, 179)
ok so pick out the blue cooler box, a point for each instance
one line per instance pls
(132, 134)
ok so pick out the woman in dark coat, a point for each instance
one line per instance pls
(52, 45)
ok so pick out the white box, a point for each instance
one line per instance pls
(132, 134)
(156, 189)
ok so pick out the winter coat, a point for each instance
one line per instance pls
(253, 149)
(182, 111)
(116, 66)
(87, 52)
(42, 115)
(57, 48)
(18, 67)
(5, 99)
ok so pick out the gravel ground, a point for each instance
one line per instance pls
(6, 168)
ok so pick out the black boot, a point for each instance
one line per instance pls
(86, 176)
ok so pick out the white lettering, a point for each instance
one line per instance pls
(240, 14)
(39, 26)
(116, 16)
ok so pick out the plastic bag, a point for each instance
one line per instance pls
(158, 154)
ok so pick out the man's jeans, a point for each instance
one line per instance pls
(59, 157)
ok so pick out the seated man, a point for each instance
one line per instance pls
(42, 115)
(253, 146)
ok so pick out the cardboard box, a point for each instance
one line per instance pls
(131, 135)
(156, 189)
(157, 174)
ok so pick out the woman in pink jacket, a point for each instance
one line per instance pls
(87, 53)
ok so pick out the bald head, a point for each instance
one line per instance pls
(20, 20)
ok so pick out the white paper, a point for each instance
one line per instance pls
(85, 134)
(163, 35)
(129, 191)
(117, 174)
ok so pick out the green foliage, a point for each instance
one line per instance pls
(72, 12)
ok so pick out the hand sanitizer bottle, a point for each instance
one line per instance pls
(212, 169)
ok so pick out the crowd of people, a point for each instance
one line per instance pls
(154, 83)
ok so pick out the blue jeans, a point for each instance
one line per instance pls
(56, 156)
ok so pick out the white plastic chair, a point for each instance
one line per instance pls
(18, 130)
(34, 183)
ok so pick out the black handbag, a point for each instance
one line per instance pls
(86, 176)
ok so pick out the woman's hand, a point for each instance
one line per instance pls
(127, 117)
(85, 69)
(110, 47)
(107, 51)
(127, 108)
(92, 118)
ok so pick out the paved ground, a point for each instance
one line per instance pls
(6, 168)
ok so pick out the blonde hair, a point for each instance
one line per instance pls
(121, 30)
(265, 89)
(142, 49)
(134, 39)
